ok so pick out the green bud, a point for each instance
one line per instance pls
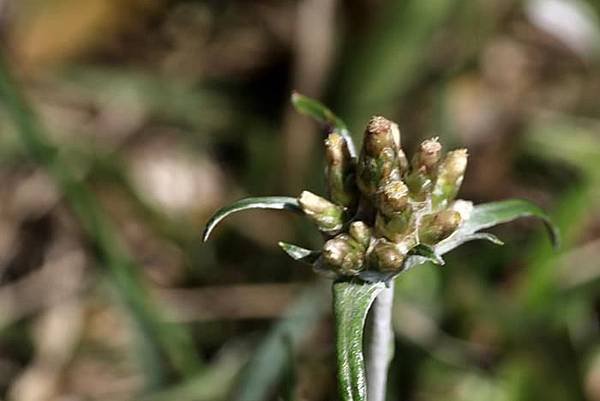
(424, 169)
(381, 133)
(392, 197)
(434, 228)
(340, 171)
(361, 233)
(419, 185)
(396, 228)
(450, 177)
(326, 215)
(386, 256)
(344, 255)
(380, 158)
(427, 158)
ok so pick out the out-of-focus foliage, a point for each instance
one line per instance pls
(159, 112)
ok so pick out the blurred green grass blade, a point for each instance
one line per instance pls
(575, 141)
(290, 378)
(267, 365)
(204, 109)
(163, 340)
(351, 303)
(383, 65)
(539, 287)
(214, 383)
(566, 138)
(264, 202)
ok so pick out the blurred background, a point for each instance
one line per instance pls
(142, 117)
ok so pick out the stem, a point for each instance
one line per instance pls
(351, 303)
(381, 345)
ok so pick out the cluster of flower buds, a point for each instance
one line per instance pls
(381, 205)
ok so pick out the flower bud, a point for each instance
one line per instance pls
(396, 228)
(428, 156)
(386, 257)
(340, 171)
(327, 216)
(392, 197)
(361, 233)
(439, 226)
(344, 255)
(402, 161)
(450, 177)
(381, 133)
(419, 185)
(381, 157)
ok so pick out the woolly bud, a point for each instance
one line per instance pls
(396, 228)
(344, 255)
(450, 177)
(428, 156)
(381, 133)
(327, 216)
(361, 233)
(386, 257)
(340, 171)
(380, 157)
(419, 184)
(392, 197)
(436, 227)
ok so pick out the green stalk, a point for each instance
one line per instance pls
(351, 303)
(159, 341)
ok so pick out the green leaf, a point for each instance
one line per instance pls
(318, 111)
(351, 303)
(428, 253)
(490, 214)
(298, 253)
(266, 202)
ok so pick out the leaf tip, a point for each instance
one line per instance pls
(208, 230)
(296, 98)
(554, 234)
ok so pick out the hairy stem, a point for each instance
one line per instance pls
(381, 345)
(351, 302)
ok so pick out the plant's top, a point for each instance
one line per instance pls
(383, 212)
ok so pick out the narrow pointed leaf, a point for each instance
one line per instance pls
(351, 303)
(447, 246)
(427, 252)
(267, 202)
(494, 213)
(490, 214)
(318, 111)
(484, 236)
(298, 253)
